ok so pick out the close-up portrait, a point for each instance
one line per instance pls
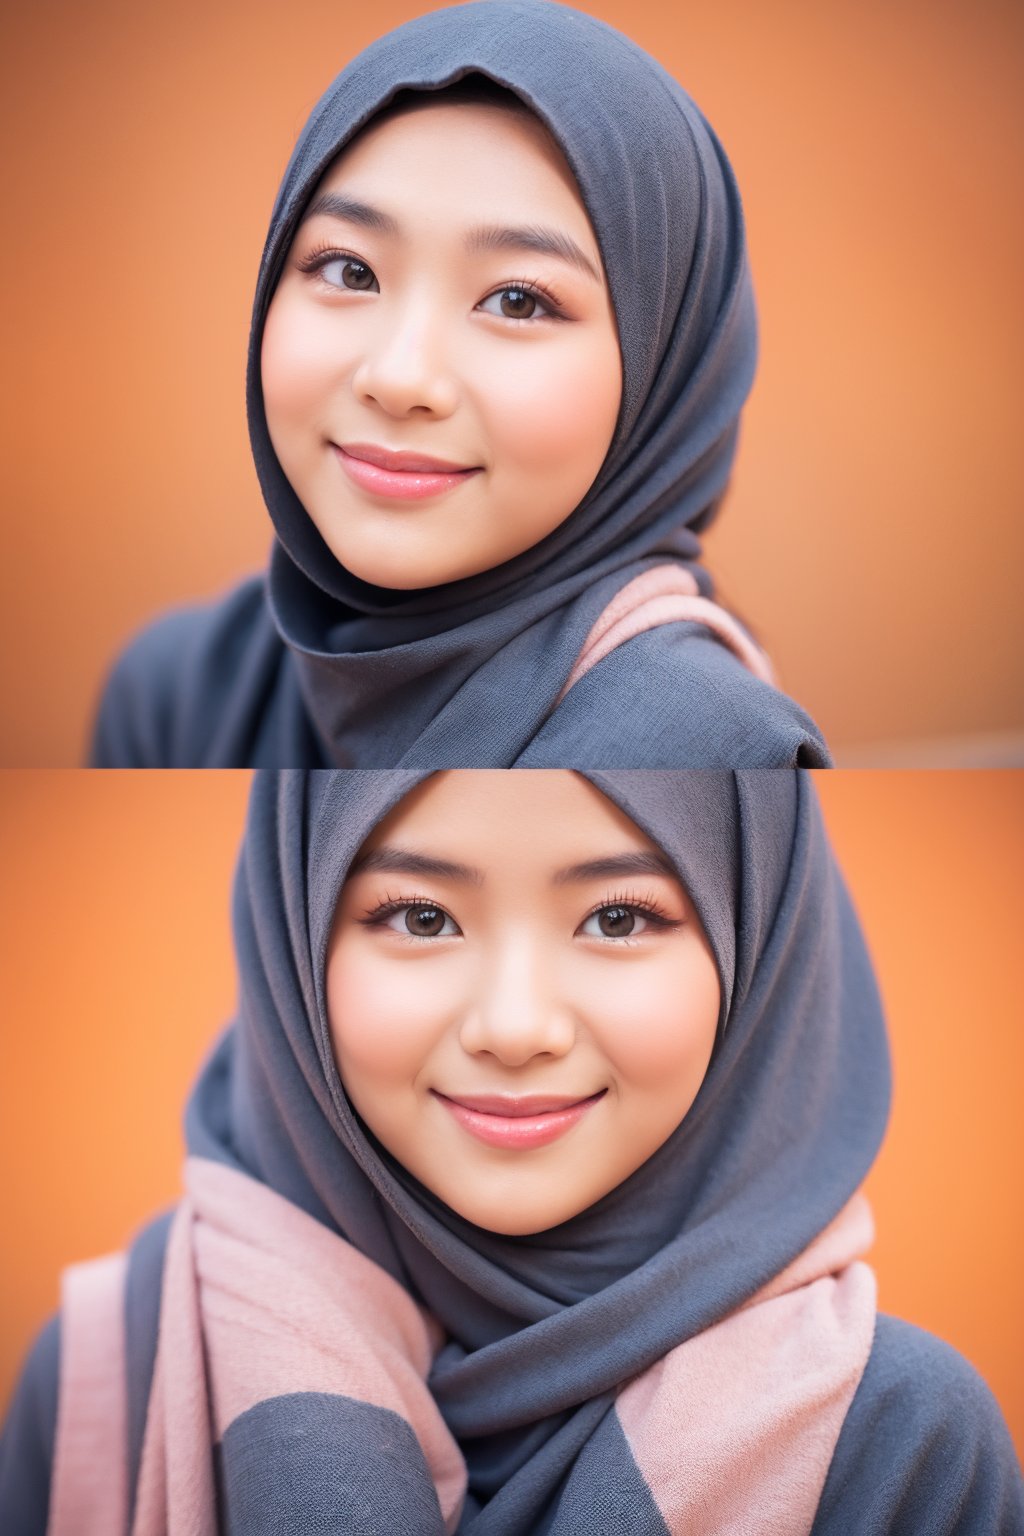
(561, 1151)
(513, 383)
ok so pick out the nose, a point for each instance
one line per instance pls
(517, 1013)
(405, 369)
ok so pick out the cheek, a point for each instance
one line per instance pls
(384, 1020)
(555, 409)
(300, 362)
(657, 1025)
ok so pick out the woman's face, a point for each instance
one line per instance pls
(522, 1000)
(440, 364)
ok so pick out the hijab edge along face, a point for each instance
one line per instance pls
(304, 543)
(688, 1236)
(718, 909)
(295, 529)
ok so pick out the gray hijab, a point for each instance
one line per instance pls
(467, 672)
(542, 1329)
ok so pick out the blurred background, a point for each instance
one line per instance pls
(116, 952)
(872, 535)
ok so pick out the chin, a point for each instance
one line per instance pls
(512, 1223)
(399, 575)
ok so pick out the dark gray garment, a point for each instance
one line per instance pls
(924, 1448)
(324, 668)
(217, 687)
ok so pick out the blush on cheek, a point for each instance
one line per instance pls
(296, 361)
(376, 1016)
(661, 1028)
(566, 425)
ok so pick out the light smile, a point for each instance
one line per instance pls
(514, 1122)
(402, 475)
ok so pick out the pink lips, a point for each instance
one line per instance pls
(406, 475)
(531, 1121)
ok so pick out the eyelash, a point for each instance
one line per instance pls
(314, 262)
(645, 906)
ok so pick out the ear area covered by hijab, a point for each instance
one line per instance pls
(471, 673)
(540, 1331)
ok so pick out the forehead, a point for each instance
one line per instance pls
(464, 157)
(541, 819)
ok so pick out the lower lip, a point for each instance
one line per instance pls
(401, 484)
(521, 1131)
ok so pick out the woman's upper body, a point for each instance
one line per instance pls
(479, 407)
(544, 1347)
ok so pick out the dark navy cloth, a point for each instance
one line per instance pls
(28, 1439)
(216, 687)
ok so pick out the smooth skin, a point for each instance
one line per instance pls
(417, 315)
(516, 934)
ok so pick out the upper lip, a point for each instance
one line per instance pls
(388, 458)
(517, 1106)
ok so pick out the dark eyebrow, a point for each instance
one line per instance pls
(487, 237)
(337, 206)
(405, 861)
(549, 242)
(619, 864)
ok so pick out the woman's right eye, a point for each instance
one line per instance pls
(348, 272)
(422, 921)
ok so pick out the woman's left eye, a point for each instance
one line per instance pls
(347, 272)
(422, 921)
(516, 302)
(616, 922)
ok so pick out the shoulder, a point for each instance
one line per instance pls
(165, 694)
(923, 1448)
(674, 697)
(29, 1437)
(29, 1433)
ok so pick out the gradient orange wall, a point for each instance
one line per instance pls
(873, 534)
(118, 973)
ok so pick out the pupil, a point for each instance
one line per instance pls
(424, 921)
(616, 922)
(356, 275)
(517, 304)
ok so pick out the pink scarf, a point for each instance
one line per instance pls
(260, 1300)
(664, 594)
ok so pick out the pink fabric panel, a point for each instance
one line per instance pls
(743, 1420)
(664, 594)
(262, 1300)
(846, 1238)
(89, 1490)
(176, 1488)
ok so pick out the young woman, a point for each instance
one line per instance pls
(502, 334)
(523, 1195)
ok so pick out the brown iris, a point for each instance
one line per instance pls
(424, 922)
(517, 304)
(616, 922)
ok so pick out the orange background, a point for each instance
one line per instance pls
(873, 533)
(118, 973)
